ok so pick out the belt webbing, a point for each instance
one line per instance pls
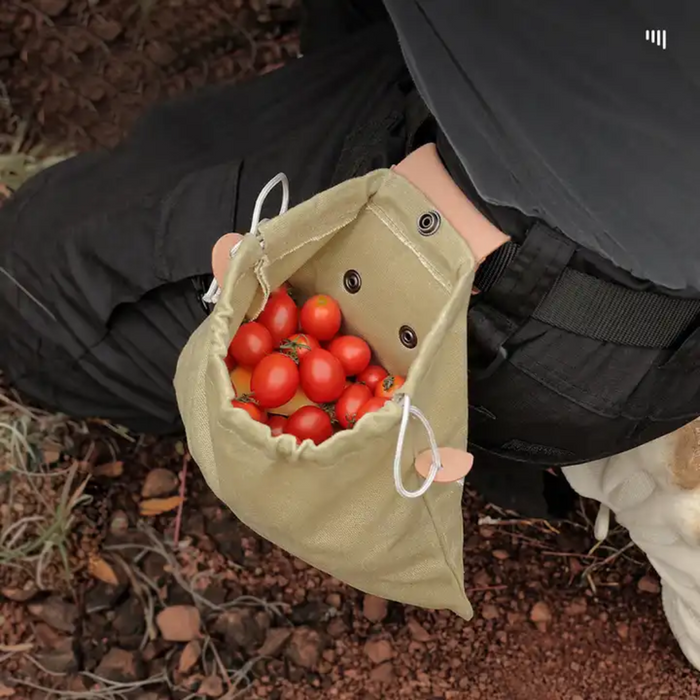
(594, 308)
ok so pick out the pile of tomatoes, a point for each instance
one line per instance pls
(291, 370)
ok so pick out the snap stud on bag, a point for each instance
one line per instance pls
(354, 506)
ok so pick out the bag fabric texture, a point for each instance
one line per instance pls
(335, 505)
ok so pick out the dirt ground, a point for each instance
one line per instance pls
(121, 576)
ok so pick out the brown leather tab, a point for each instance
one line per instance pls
(221, 255)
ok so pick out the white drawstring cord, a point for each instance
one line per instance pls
(602, 523)
(214, 292)
(436, 464)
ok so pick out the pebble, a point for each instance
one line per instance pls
(576, 608)
(489, 612)
(179, 623)
(189, 657)
(159, 482)
(649, 584)
(56, 612)
(379, 650)
(540, 612)
(375, 609)
(305, 647)
(121, 666)
(418, 632)
(275, 641)
(500, 554)
(384, 673)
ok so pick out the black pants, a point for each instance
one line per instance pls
(101, 258)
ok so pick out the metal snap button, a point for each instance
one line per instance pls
(429, 223)
(408, 337)
(352, 281)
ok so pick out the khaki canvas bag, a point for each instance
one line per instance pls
(345, 506)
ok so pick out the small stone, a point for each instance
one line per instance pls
(241, 628)
(211, 687)
(121, 666)
(623, 630)
(515, 618)
(189, 657)
(379, 650)
(111, 470)
(305, 647)
(275, 641)
(375, 609)
(102, 597)
(179, 623)
(500, 554)
(481, 579)
(159, 482)
(576, 608)
(334, 601)
(489, 612)
(541, 613)
(648, 584)
(418, 632)
(52, 8)
(56, 612)
(106, 29)
(20, 595)
(384, 673)
(336, 627)
(61, 658)
(129, 618)
(119, 524)
(310, 613)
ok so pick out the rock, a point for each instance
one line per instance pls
(309, 613)
(540, 612)
(418, 632)
(106, 29)
(500, 554)
(119, 524)
(179, 623)
(336, 627)
(335, 601)
(128, 618)
(489, 612)
(242, 628)
(211, 687)
(481, 579)
(623, 630)
(384, 673)
(275, 641)
(648, 584)
(379, 650)
(189, 657)
(121, 666)
(102, 597)
(111, 470)
(227, 538)
(375, 609)
(576, 608)
(61, 658)
(305, 647)
(56, 612)
(159, 482)
(20, 595)
(52, 8)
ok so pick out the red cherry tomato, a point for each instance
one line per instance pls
(372, 376)
(374, 404)
(322, 377)
(280, 316)
(298, 345)
(277, 424)
(353, 352)
(255, 412)
(320, 316)
(230, 363)
(310, 423)
(349, 404)
(275, 380)
(389, 386)
(250, 344)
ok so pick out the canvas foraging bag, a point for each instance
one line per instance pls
(354, 506)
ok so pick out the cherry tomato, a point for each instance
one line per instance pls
(280, 316)
(320, 316)
(322, 377)
(298, 345)
(309, 423)
(374, 404)
(372, 376)
(230, 363)
(275, 380)
(389, 386)
(277, 424)
(255, 412)
(350, 402)
(250, 344)
(353, 352)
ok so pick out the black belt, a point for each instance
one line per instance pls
(594, 308)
